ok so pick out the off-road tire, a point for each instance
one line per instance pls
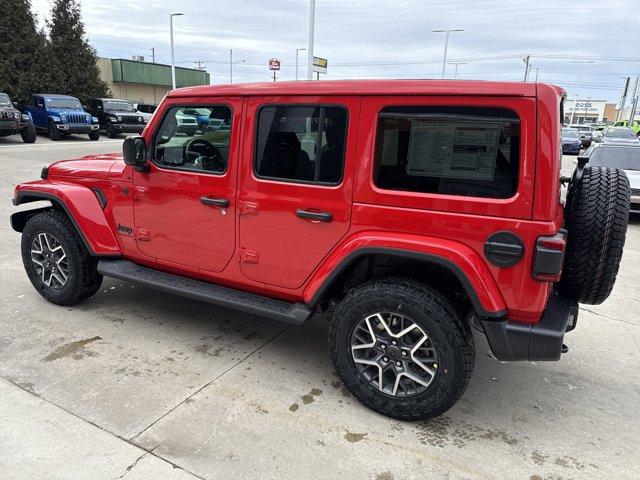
(28, 133)
(94, 134)
(111, 132)
(54, 133)
(596, 219)
(84, 279)
(430, 310)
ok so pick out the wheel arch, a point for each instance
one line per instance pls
(79, 203)
(448, 271)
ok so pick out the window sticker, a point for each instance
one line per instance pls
(453, 149)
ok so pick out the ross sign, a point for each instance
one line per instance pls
(274, 64)
(320, 65)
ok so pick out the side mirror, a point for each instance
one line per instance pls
(134, 153)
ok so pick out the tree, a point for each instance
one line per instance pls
(74, 60)
(24, 65)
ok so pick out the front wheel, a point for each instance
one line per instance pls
(111, 131)
(56, 260)
(401, 348)
(54, 133)
(94, 134)
(28, 133)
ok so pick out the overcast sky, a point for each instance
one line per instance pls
(381, 39)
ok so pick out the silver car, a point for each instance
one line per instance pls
(623, 156)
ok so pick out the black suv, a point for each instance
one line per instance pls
(116, 116)
(13, 122)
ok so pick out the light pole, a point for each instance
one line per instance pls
(298, 50)
(173, 61)
(312, 15)
(455, 74)
(575, 100)
(231, 64)
(446, 32)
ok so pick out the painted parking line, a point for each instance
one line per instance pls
(55, 144)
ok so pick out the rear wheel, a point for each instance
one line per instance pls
(596, 218)
(401, 348)
(28, 133)
(56, 260)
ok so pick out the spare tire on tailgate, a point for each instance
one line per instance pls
(596, 216)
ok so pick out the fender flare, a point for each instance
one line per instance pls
(81, 205)
(464, 264)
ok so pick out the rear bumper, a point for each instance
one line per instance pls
(512, 341)
(635, 204)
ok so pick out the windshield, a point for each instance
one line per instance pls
(569, 133)
(625, 158)
(620, 133)
(5, 101)
(68, 102)
(118, 105)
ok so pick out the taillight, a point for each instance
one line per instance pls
(549, 257)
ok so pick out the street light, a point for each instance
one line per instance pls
(173, 62)
(446, 32)
(298, 50)
(312, 15)
(231, 64)
(575, 100)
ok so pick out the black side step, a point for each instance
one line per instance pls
(295, 313)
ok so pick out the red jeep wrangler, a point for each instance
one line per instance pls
(409, 210)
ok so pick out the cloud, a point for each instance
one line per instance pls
(353, 33)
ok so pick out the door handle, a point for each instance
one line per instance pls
(216, 202)
(308, 215)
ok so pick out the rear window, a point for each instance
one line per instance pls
(468, 151)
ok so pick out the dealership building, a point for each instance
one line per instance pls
(589, 111)
(145, 82)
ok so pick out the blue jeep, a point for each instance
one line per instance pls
(61, 115)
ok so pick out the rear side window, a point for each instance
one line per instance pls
(468, 151)
(302, 144)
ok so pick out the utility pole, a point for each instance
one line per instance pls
(537, 74)
(298, 50)
(173, 61)
(634, 101)
(153, 55)
(623, 99)
(446, 32)
(312, 15)
(575, 100)
(526, 59)
(455, 72)
(199, 64)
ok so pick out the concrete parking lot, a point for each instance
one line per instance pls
(137, 384)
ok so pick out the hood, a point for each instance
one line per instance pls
(121, 112)
(634, 178)
(570, 140)
(91, 166)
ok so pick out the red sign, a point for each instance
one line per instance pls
(274, 64)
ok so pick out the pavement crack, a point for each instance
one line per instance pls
(250, 354)
(608, 317)
(130, 467)
(145, 450)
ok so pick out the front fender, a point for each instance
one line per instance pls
(81, 205)
(461, 260)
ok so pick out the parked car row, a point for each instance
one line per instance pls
(577, 136)
(61, 115)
